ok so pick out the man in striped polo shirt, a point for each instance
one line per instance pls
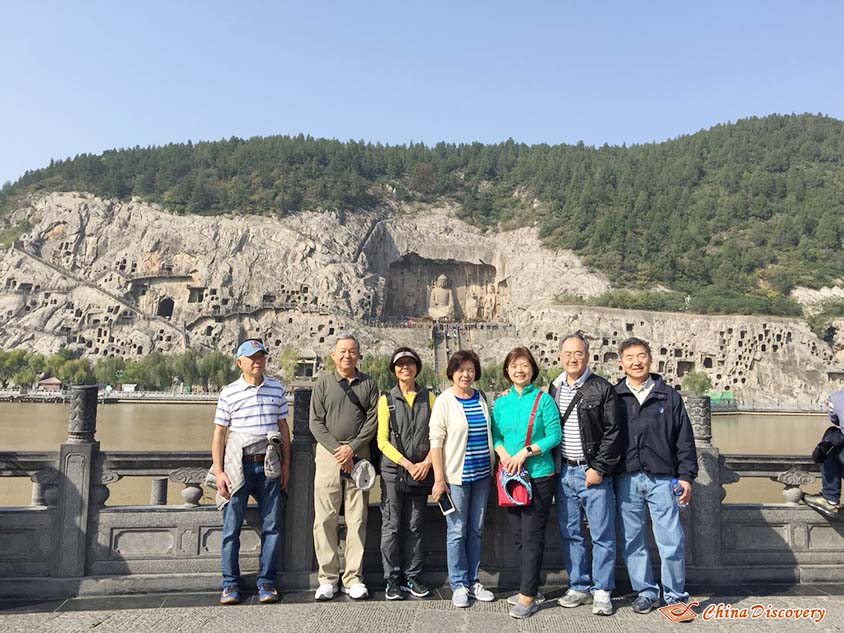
(250, 412)
(590, 451)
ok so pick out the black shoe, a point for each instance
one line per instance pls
(643, 604)
(415, 587)
(393, 589)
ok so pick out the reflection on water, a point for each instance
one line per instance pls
(188, 427)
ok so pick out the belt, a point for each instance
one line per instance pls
(257, 457)
(576, 462)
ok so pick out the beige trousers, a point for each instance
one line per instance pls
(330, 489)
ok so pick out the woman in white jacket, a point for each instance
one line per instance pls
(462, 454)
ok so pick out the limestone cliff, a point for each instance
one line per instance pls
(127, 278)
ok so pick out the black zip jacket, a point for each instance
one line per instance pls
(658, 436)
(598, 414)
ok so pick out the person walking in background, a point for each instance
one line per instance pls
(250, 428)
(462, 455)
(828, 502)
(659, 446)
(525, 427)
(343, 421)
(406, 475)
(589, 454)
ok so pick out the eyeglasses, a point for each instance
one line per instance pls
(519, 366)
(578, 354)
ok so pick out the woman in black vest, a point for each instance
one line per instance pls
(406, 475)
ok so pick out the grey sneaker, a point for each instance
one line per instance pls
(478, 592)
(643, 604)
(521, 611)
(514, 599)
(460, 597)
(574, 598)
(823, 505)
(602, 602)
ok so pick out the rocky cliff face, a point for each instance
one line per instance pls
(127, 278)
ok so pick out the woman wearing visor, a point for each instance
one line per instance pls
(406, 475)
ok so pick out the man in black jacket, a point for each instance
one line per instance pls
(659, 446)
(589, 452)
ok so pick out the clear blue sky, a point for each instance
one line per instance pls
(88, 76)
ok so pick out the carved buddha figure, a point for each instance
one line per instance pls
(441, 301)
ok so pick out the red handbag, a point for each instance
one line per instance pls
(514, 489)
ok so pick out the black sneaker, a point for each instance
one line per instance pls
(393, 589)
(415, 587)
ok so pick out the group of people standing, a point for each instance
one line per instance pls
(598, 449)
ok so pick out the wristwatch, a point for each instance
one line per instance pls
(529, 449)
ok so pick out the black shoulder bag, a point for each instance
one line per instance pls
(405, 484)
(374, 453)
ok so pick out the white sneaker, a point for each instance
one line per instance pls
(325, 592)
(460, 597)
(357, 591)
(602, 602)
(478, 592)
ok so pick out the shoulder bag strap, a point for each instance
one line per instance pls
(532, 416)
(572, 405)
(394, 425)
(345, 386)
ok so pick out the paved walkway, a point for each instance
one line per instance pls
(298, 613)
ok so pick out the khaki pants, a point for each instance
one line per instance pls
(329, 491)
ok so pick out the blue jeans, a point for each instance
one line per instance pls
(464, 528)
(268, 494)
(634, 491)
(831, 475)
(599, 503)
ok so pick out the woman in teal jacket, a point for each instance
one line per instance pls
(510, 417)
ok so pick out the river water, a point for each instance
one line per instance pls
(188, 427)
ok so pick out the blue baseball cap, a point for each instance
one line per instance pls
(250, 346)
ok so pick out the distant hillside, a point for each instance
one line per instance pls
(735, 216)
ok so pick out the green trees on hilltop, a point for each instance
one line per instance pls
(743, 211)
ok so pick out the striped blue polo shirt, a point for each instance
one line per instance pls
(252, 408)
(476, 465)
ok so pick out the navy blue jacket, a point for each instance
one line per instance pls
(658, 436)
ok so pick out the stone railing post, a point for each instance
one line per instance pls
(707, 491)
(298, 554)
(77, 456)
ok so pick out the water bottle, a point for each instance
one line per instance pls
(677, 491)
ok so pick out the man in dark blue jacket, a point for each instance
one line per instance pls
(659, 446)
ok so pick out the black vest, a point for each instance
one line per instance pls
(412, 424)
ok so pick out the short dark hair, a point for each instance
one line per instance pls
(521, 352)
(633, 342)
(410, 351)
(460, 357)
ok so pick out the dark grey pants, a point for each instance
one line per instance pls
(401, 531)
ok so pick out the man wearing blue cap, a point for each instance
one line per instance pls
(250, 427)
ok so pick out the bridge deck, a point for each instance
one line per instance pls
(298, 612)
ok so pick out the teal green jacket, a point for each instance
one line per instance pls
(510, 415)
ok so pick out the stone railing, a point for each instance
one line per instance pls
(71, 541)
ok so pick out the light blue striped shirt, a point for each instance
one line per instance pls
(252, 408)
(476, 464)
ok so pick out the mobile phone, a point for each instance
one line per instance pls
(445, 503)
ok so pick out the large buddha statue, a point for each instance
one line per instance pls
(441, 301)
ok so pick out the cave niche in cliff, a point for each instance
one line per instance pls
(476, 294)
